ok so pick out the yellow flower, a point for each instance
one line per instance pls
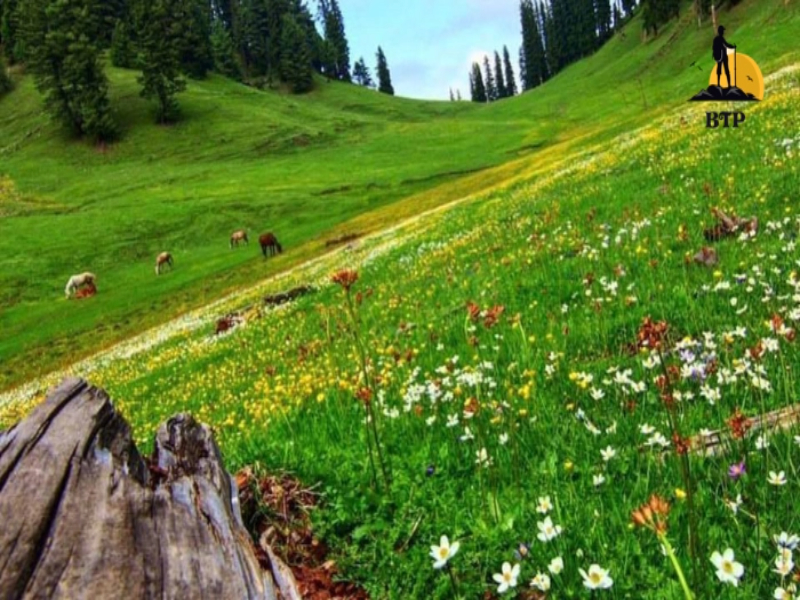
(568, 465)
(680, 494)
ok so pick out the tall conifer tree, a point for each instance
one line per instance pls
(384, 76)
(477, 85)
(296, 68)
(489, 80)
(161, 40)
(500, 80)
(63, 54)
(511, 82)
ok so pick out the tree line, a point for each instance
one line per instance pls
(258, 42)
(556, 33)
(492, 84)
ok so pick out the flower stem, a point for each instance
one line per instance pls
(677, 566)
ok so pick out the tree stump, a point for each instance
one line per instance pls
(84, 515)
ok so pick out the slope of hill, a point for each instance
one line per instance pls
(304, 167)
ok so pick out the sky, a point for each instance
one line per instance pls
(431, 44)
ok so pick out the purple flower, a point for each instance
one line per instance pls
(430, 470)
(736, 470)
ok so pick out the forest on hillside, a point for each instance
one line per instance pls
(264, 43)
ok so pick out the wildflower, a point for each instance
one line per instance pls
(482, 458)
(345, 278)
(680, 494)
(598, 480)
(736, 470)
(544, 505)
(452, 421)
(597, 578)
(739, 424)
(522, 551)
(652, 515)
(507, 579)
(784, 540)
(646, 429)
(762, 442)
(541, 582)
(430, 470)
(467, 435)
(784, 564)
(503, 439)
(443, 552)
(786, 593)
(430, 420)
(734, 504)
(650, 334)
(548, 531)
(608, 453)
(556, 565)
(777, 478)
(728, 570)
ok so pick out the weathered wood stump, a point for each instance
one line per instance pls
(84, 515)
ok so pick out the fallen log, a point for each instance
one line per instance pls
(287, 296)
(86, 516)
(717, 443)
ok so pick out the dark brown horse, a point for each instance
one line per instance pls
(269, 245)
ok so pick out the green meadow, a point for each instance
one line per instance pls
(519, 354)
(310, 168)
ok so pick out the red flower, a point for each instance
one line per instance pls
(345, 278)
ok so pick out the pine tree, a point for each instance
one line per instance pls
(478, 87)
(196, 55)
(296, 68)
(452, 97)
(458, 96)
(226, 60)
(628, 6)
(511, 83)
(489, 80)
(64, 57)
(532, 54)
(361, 74)
(123, 50)
(500, 81)
(161, 41)
(338, 50)
(384, 76)
(602, 11)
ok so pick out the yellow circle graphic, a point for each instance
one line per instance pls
(745, 72)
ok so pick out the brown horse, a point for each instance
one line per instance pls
(269, 245)
(239, 236)
(165, 258)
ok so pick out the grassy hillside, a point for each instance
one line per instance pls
(303, 167)
(496, 345)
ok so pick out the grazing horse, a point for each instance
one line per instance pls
(239, 236)
(269, 245)
(165, 258)
(78, 281)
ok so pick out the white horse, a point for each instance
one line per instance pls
(165, 258)
(239, 236)
(76, 281)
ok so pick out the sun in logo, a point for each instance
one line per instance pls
(745, 73)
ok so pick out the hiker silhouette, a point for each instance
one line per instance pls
(720, 51)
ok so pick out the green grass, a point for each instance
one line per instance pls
(578, 242)
(303, 167)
